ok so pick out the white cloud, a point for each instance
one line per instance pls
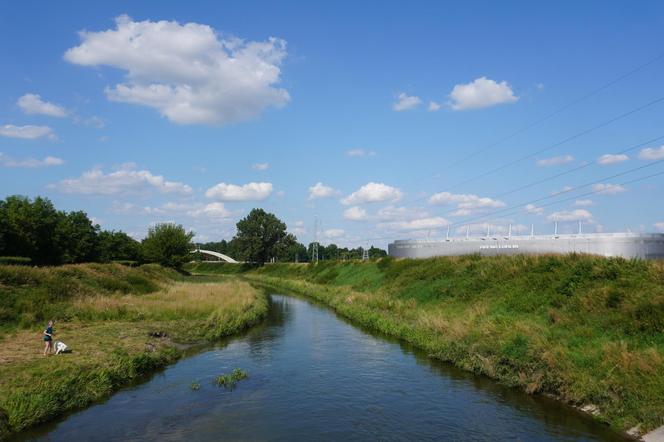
(481, 93)
(187, 72)
(406, 102)
(467, 204)
(28, 132)
(608, 159)
(360, 153)
(125, 180)
(659, 226)
(563, 190)
(95, 121)
(373, 193)
(32, 104)
(533, 209)
(583, 203)
(608, 189)
(334, 233)
(392, 213)
(246, 192)
(433, 106)
(435, 222)
(355, 213)
(7, 161)
(555, 161)
(652, 153)
(573, 215)
(319, 190)
(214, 210)
(260, 166)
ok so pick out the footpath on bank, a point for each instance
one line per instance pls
(586, 330)
(121, 324)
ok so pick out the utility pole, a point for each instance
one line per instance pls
(314, 245)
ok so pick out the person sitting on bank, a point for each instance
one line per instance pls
(48, 338)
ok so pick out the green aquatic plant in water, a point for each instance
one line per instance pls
(229, 380)
(195, 386)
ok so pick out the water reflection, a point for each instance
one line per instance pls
(314, 376)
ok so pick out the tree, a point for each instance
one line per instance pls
(29, 229)
(261, 236)
(167, 244)
(77, 238)
(117, 246)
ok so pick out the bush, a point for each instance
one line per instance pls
(14, 260)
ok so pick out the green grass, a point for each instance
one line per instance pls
(585, 329)
(229, 380)
(121, 323)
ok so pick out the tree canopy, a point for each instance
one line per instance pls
(262, 236)
(167, 244)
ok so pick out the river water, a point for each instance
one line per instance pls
(313, 376)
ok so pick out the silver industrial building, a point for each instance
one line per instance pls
(626, 245)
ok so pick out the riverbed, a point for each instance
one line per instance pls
(314, 376)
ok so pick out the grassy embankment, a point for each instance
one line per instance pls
(121, 324)
(587, 330)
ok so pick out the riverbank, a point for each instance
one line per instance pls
(121, 324)
(586, 330)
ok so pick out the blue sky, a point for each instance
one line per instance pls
(195, 113)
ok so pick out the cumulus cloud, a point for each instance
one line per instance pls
(608, 189)
(406, 102)
(555, 161)
(583, 203)
(260, 166)
(481, 93)
(533, 209)
(608, 159)
(393, 213)
(319, 190)
(433, 106)
(659, 226)
(7, 161)
(334, 233)
(214, 210)
(187, 72)
(373, 193)
(360, 153)
(125, 180)
(652, 153)
(32, 104)
(355, 213)
(28, 132)
(435, 222)
(572, 215)
(467, 204)
(246, 192)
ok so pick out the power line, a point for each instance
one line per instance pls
(467, 221)
(553, 146)
(512, 210)
(557, 111)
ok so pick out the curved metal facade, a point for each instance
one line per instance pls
(627, 245)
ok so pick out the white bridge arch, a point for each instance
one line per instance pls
(221, 256)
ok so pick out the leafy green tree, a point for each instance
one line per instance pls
(77, 238)
(261, 236)
(117, 246)
(29, 229)
(167, 244)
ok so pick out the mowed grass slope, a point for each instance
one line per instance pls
(121, 324)
(585, 329)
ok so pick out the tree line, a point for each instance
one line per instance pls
(35, 231)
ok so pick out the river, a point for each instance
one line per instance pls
(314, 376)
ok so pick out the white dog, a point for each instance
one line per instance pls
(60, 347)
